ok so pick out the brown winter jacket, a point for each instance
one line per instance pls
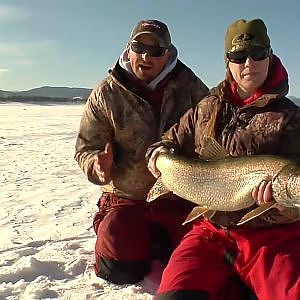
(116, 112)
(270, 125)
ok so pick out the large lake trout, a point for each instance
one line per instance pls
(225, 183)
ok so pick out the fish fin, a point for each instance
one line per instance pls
(209, 214)
(195, 213)
(157, 190)
(212, 150)
(256, 212)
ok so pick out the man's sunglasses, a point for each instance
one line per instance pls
(240, 57)
(141, 48)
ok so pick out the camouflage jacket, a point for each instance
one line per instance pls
(116, 112)
(270, 125)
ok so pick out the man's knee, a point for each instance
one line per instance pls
(123, 235)
(121, 272)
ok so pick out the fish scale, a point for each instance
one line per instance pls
(226, 184)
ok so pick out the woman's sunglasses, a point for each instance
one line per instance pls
(141, 48)
(240, 57)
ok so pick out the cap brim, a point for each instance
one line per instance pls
(161, 42)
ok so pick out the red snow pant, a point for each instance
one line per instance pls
(267, 260)
(130, 233)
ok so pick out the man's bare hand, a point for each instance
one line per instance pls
(104, 163)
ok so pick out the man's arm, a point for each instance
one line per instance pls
(95, 132)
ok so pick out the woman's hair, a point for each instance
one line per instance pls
(223, 93)
(225, 85)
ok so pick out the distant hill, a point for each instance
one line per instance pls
(47, 93)
(60, 94)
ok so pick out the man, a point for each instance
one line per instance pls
(144, 94)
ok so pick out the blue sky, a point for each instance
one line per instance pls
(74, 42)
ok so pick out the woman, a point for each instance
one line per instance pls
(248, 114)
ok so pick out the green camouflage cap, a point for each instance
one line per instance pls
(156, 28)
(243, 34)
